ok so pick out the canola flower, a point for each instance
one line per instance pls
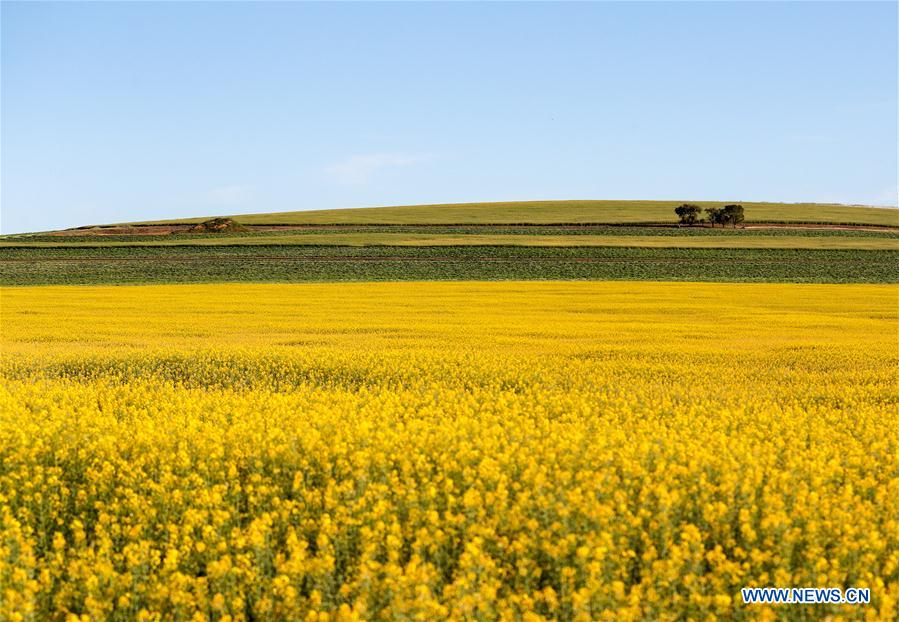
(463, 451)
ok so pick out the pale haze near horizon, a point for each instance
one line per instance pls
(116, 112)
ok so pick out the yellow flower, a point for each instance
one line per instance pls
(609, 451)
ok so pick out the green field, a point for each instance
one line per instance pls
(292, 263)
(546, 212)
(438, 239)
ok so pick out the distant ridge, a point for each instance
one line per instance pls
(558, 212)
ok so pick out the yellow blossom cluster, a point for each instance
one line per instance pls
(463, 451)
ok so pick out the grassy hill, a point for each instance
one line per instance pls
(549, 212)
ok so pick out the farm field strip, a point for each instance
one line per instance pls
(864, 242)
(290, 263)
(582, 451)
(154, 233)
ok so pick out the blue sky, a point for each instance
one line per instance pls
(124, 111)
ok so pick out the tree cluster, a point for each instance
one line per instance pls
(690, 215)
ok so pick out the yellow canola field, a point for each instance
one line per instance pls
(424, 451)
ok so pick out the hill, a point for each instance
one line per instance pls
(555, 212)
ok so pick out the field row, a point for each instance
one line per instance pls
(288, 263)
(517, 234)
(860, 242)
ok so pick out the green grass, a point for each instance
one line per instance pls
(474, 239)
(286, 263)
(544, 212)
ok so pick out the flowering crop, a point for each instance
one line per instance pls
(426, 451)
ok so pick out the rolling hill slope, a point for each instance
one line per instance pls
(549, 212)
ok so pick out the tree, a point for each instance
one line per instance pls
(733, 214)
(713, 215)
(688, 213)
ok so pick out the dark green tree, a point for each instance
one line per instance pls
(688, 213)
(713, 215)
(733, 214)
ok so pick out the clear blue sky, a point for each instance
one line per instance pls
(125, 111)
